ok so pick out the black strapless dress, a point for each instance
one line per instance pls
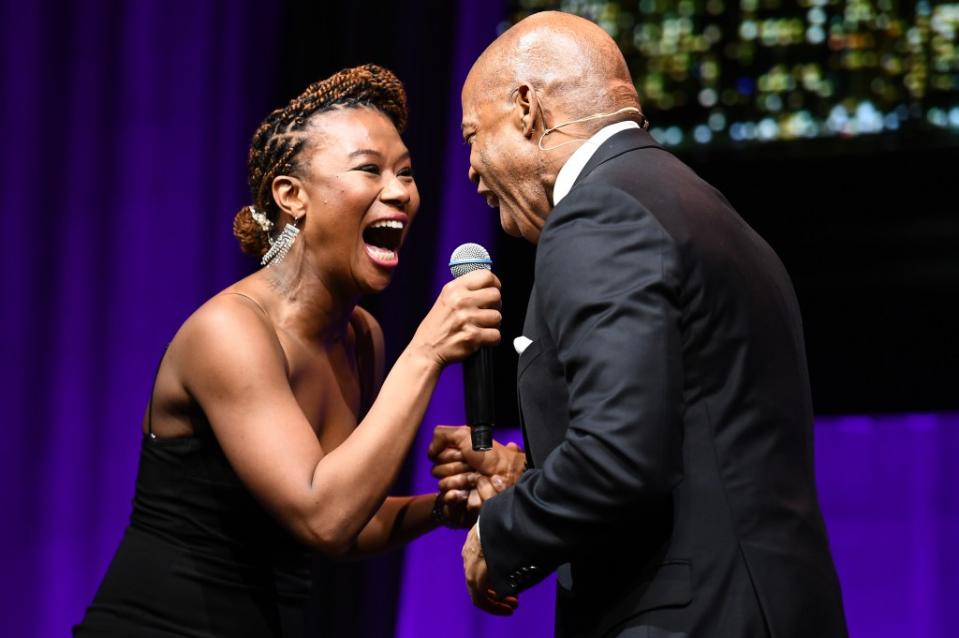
(200, 557)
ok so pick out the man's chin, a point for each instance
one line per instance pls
(508, 223)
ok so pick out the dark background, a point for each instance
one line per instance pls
(867, 227)
(123, 147)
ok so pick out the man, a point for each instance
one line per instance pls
(663, 384)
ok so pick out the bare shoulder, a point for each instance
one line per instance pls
(227, 334)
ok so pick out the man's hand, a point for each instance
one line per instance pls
(462, 471)
(474, 566)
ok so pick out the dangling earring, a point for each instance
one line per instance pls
(280, 246)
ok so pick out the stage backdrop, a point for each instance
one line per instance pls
(124, 128)
(124, 135)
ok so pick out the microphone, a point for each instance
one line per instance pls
(478, 367)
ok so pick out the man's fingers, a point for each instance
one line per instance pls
(475, 501)
(511, 602)
(485, 488)
(465, 481)
(452, 497)
(494, 607)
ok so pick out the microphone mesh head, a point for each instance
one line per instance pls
(469, 257)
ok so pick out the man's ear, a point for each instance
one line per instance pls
(289, 195)
(527, 109)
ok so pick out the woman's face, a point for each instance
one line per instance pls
(361, 197)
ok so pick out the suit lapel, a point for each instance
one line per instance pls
(623, 142)
(544, 391)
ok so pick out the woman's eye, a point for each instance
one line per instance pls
(369, 168)
(406, 172)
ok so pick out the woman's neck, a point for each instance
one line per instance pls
(308, 304)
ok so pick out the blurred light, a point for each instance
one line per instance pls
(937, 117)
(673, 136)
(860, 67)
(768, 129)
(838, 119)
(773, 103)
(709, 70)
(712, 33)
(868, 119)
(702, 134)
(815, 35)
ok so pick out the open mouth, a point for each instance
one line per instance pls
(383, 239)
(491, 200)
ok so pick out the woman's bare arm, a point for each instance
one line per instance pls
(234, 367)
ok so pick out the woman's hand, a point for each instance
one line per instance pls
(469, 477)
(465, 317)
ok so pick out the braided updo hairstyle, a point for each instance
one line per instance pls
(281, 137)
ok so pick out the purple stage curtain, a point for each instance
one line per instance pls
(124, 127)
(433, 597)
(124, 135)
(889, 488)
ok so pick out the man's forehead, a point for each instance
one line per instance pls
(472, 110)
(477, 105)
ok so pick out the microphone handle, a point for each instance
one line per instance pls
(480, 402)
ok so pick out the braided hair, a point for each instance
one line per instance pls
(278, 142)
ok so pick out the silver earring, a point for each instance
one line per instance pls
(280, 246)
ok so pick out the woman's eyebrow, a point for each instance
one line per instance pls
(365, 151)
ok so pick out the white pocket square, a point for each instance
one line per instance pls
(521, 343)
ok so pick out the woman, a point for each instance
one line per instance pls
(262, 440)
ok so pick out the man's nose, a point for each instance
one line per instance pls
(473, 175)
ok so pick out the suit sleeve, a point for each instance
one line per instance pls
(608, 278)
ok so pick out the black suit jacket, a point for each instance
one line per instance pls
(667, 416)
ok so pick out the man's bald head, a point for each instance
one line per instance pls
(539, 78)
(570, 61)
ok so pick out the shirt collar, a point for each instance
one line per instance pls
(575, 163)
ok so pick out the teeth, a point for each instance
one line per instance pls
(388, 223)
(381, 253)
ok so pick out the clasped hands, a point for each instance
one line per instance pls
(466, 480)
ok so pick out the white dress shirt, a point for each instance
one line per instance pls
(575, 163)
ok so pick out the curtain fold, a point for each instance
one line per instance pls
(124, 128)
